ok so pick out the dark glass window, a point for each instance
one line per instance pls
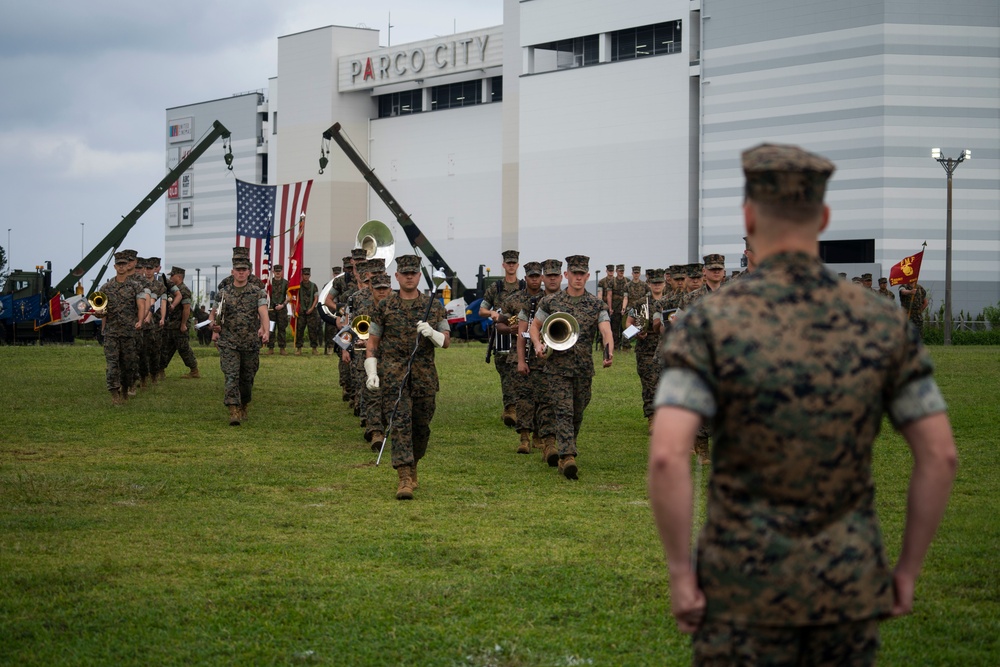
(856, 251)
(450, 96)
(568, 53)
(496, 88)
(647, 40)
(400, 104)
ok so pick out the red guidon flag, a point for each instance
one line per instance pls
(907, 271)
(295, 272)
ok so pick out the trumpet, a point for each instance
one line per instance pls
(560, 332)
(99, 302)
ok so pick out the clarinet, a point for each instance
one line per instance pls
(529, 351)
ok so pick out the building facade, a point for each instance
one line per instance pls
(613, 129)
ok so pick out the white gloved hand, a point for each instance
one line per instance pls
(371, 370)
(427, 331)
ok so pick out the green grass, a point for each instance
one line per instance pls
(157, 534)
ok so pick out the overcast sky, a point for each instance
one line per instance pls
(84, 85)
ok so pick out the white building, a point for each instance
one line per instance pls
(613, 129)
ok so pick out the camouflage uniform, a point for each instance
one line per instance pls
(143, 347)
(394, 321)
(362, 303)
(176, 340)
(883, 291)
(913, 304)
(238, 343)
(795, 369)
(569, 373)
(636, 291)
(341, 290)
(791, 497)
(618, 287)
(152, 334)
(119, 333)
(374, 409)
(502, 296)
(279, 294)
(307, 292)
(646, 364)
(523, 305)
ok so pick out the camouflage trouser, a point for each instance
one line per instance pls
(541, 400)
(345, 373)
(648, 367)
(280, 319)
(374, 412)
(122, 361)
(616, 325)
(149, 351)
(569, 397)
(312, 322)
(525, 400)
(239, 367)
(329, 334)
(720, 643)
(176, 341)
(358, 375)
(506, 383)
(411, 427)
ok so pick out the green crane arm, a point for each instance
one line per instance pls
(121, 230)
(413, 233)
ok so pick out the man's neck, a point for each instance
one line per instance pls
(409, 295)
(510, 279)
(572, 291)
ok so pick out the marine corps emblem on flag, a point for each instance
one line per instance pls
(906, 271)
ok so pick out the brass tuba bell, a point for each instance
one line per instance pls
(377, 241)
(99, 302)
(560, 332)
(361, 325)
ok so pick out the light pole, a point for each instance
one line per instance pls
(8, 251)
(950, 165)
(197, 279)
(81, 240)
(216, 267)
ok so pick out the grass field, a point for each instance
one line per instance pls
(156, 534)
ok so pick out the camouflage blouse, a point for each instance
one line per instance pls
(394, 321)
(589, 311)
(794, 369)
(174, 316)
(238, 314)
(123, 306)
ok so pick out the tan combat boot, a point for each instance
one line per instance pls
(193, 374)
(282, 352)
(315, 350)
(405, 489)
(550, 454)
(567, 466)
(509, 416)
(413, 476)
(536, 441)
(243, 411)
(525, 446)
(377, 438)
(132, 391)
(270, 350)
(116, 397)
(234, 415)
(298, 352)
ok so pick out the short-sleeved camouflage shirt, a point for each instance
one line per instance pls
(795, 369)
(394, 321)
(239, 316)
(123, 306)
(499, 296)
(175, 316)
(589, 311)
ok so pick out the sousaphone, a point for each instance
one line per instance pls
(377, 240)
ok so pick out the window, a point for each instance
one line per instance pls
(856, 251)
(648, 40)
(496, 89)
(400, 104)
(567, 53)
(450, 96)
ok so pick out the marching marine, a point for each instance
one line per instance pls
(239, 324)
(570, 372)
(122, 318)
(525, 301)
(646, 341)
(401, 329)
(497, 305)
(177, 338)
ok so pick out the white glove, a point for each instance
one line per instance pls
(427, 331)
(371, 370)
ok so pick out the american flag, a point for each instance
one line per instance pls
(258, 209)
